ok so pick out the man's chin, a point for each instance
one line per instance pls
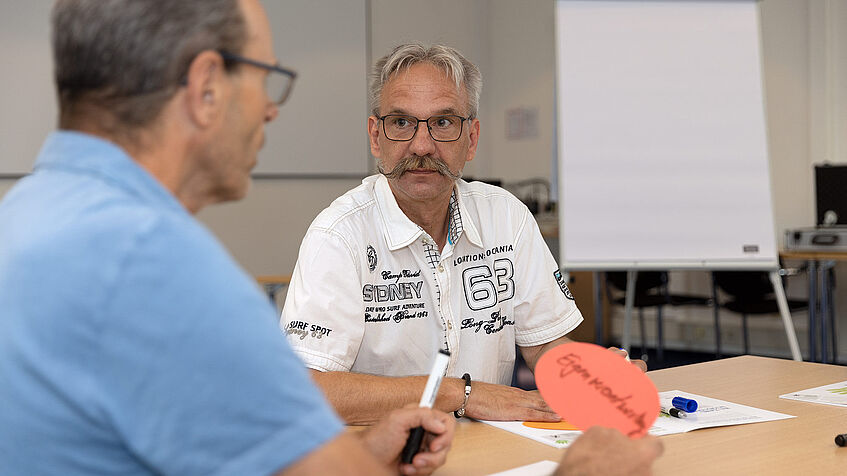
(238, 191)
(239, 194)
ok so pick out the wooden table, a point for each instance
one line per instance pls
(796, 446)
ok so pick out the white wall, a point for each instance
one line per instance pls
(786, 50)
(522, 63)
(264, 230)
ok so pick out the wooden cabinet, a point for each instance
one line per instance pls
(581, 285)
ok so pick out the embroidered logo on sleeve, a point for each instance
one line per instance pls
(371, 258)
(303, 329)
(562, 284)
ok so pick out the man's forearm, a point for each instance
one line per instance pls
(532, 354)
(362, 399)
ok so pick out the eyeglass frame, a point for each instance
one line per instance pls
(428, 127)
(271, 68)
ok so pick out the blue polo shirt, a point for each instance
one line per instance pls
(131, 343)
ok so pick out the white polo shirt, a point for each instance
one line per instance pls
(371, 294)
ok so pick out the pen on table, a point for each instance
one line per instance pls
(413, 444)
(674, 412)
(841, 440)
(681, 403)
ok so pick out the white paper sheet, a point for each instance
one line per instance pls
(711, 412)
(554, 438)
(832, 394)
(541, 468)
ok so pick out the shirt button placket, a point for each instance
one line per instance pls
(452, 331)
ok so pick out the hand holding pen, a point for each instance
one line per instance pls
(386, 439)
(413, 444)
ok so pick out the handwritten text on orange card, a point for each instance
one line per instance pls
(589, 385)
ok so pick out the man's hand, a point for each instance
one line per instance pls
(388, 436)
(637, 362)
(499, 402)
(607, 452)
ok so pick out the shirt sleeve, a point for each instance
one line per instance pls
(544, 309)
(322, 316)
(199, 379)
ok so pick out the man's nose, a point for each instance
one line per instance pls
(271, 112)
(422, 142)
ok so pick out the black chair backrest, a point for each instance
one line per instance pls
(744, 285)
(645, 281)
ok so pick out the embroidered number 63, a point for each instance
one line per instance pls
(484, 288)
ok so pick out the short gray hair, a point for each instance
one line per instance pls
(128, 57)
(448, 59)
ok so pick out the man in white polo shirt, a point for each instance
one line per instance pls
(415, 260)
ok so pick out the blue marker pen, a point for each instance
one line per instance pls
(682, 403)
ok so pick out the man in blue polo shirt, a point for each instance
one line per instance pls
(131, 343)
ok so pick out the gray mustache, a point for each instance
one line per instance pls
(425, 162)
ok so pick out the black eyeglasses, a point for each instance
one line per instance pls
(278, 86)
(442, 128)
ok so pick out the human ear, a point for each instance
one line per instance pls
(206, 88)
(373, 136)
(473, 137)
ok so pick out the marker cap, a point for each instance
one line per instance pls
(685, 404)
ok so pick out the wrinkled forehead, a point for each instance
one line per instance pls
(425, 81)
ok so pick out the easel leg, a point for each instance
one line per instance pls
(599, 281)
(629, 304)
(786, 315)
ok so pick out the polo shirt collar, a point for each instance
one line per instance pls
(470, 230)
(399, 231)
(73, 151)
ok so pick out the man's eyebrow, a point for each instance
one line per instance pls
(446, 111)
(441, 112)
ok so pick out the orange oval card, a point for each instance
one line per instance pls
(588, 385)
(551, 425)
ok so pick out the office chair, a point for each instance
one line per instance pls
(751, 293)
(651, 290)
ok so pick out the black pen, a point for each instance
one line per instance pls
(674, 412)
(841, 440)
(413, 444)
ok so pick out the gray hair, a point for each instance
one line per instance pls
(448, 59)
(128, 57)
